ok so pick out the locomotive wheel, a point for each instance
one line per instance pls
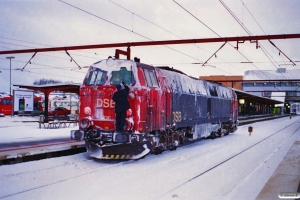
(220, 133)
(233, 129)
(157, 151)
(227, 132)
(172, 147)
(213, 135)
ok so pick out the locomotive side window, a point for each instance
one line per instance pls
(122, 75)
(95, 77)
(6, 102)
(150, 78)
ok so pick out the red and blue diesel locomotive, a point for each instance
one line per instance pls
(166, 107)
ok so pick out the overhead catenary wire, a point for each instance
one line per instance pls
(42, 54)
(249, 33)
(47, 46)
(122, 27)
(163, 29)
(46, 67)
(144, 18)
(262, 48)
(47, 74)
(244, 6)
(75, 57)
(213, 55)
(196, 18)
(28, 61)
(215, 33)
(239, 22)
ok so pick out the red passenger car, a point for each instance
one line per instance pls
(6, 103)
(166, 106)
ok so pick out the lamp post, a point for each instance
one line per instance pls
(10, 57)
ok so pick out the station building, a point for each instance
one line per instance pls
(263, 91)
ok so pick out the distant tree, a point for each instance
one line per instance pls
(44, 81)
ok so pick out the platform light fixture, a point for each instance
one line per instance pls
(242, 101)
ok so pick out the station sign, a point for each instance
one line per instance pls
(23, 101)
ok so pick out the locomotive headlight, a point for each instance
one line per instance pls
(85, 123)
(87, 110)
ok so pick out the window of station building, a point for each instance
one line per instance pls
(290, 94)
(151, 78)
(258, 84)
(266, 94)
(276, 84)
(247, 84)
(288, 84)
(268, 84)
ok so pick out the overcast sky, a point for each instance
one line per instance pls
(26, 24)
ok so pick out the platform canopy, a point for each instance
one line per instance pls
(65, 87)
(48, 88)
(258, 99)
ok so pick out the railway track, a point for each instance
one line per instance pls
(80, 148)
(234, 156)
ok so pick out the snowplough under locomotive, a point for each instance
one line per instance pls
(166, 107)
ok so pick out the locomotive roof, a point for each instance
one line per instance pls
(178, 71)
(170, 69)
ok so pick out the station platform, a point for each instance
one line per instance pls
(41, 151)
(285, 181)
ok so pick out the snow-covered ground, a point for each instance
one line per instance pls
(232, 167)
(19, 129)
